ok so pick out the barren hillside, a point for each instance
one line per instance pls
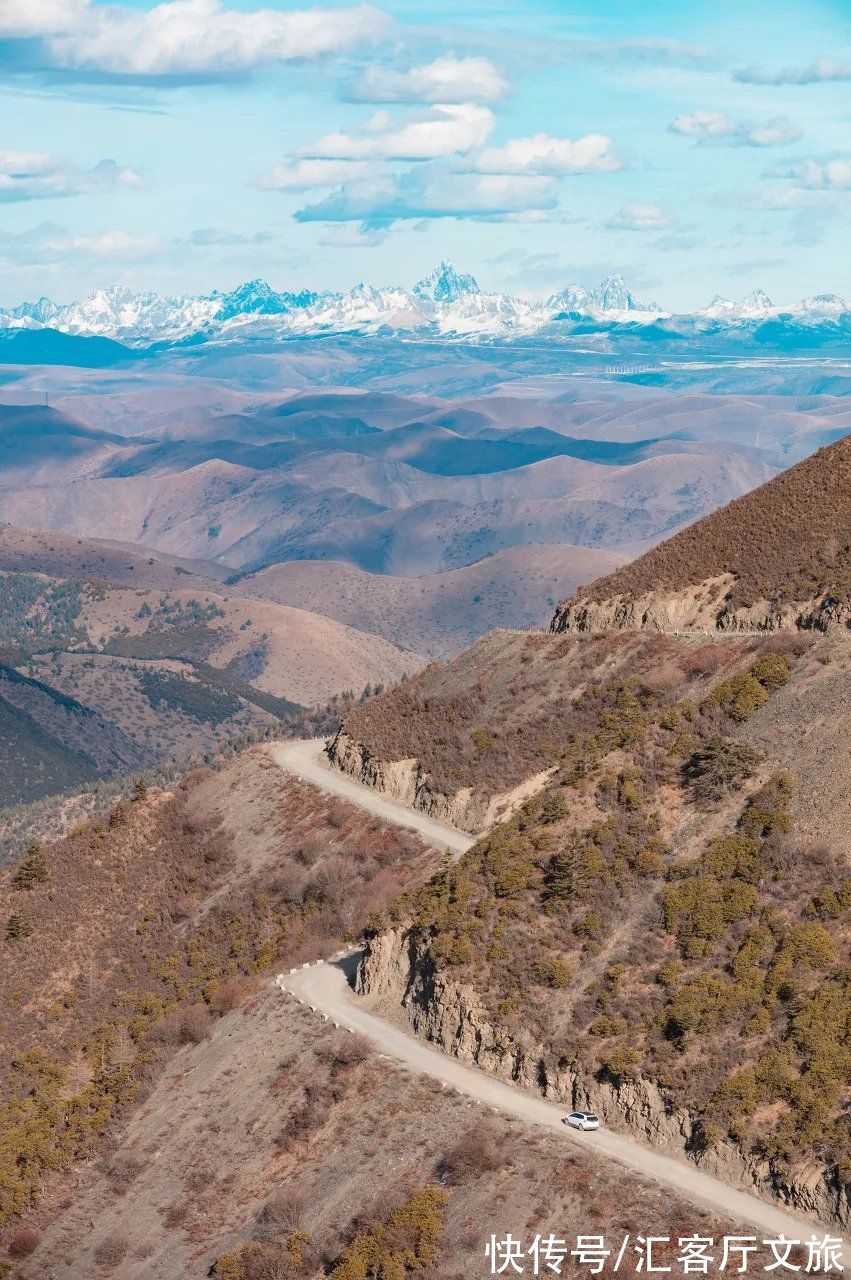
(779, 556)
(437, 614)
(114, 663)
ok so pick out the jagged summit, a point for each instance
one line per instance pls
(256, 297)
(572, 300)
(757, 300)
(754, 306)
(778, 557)
(824, 304)
(611, 297)
(43, 311)
(445, 284)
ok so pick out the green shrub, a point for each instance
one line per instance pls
(741, 695)
(555, 973)
(32, 869)
(700, 908)
(810, 943)
(721, 765)
(734, 855)
(767, 812)
(738, 697)
(18, 926)
(772, 671)
(408, 1242)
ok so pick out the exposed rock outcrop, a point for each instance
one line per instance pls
(407, 782)
(705, 607)
(398, 966)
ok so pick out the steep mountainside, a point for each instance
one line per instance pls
(778, 557)
(656, 919)
(167, 1110)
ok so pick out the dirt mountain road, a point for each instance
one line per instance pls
(325, 987)
(307, 760)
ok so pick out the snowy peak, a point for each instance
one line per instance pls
(757, 301)
(446, 285)
(613, 295)
(572, 300)
(824, 304)
(257, 298)
(753, 306)
(610, 298)
(445, 302)
(720, 307)
(120, 313)
(40, 313)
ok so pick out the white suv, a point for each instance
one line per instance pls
(585, 1120)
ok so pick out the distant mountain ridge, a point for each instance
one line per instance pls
(446, 303)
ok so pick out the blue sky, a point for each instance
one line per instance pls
(697, 148)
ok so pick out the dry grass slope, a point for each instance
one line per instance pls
(790, 539)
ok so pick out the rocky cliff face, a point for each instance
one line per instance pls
(704, 607)
(398, 966)
(406, 782)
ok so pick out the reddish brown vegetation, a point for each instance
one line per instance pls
(790, 539)
(93, 1002)
(507, 708)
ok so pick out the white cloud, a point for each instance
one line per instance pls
(782, 199)
(543, 155)
(31, 18)
(777, 132)
(305, 175)
(642, 217)
(348, 236)
(434, 191)
(38, 176)
(704, 125)
(716, 127)
(191, 37)
(679, 243)
(818, 175)
(822, 71)
(448, 79)
(208, 237)
(648, 51)
(48, 243)
(113, 244)
(443, 131)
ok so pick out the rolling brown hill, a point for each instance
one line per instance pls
(137, 606)
(113, 663)
(779, 556)
(437, 614)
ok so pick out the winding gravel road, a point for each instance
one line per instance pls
(307, 760)
(326, 988)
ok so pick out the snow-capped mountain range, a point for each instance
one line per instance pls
(446, 303)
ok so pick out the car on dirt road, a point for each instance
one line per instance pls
(585, 1120)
